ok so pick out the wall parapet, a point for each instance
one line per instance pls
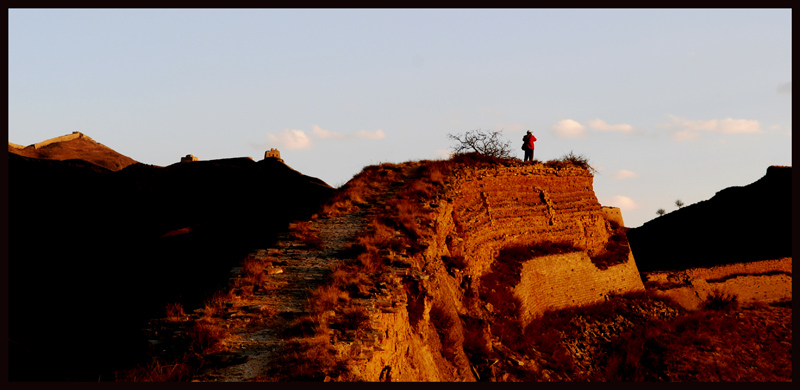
(68, 137)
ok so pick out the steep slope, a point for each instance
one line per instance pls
(435, 285)
(738, 224)
(74, 146)
(103, 251)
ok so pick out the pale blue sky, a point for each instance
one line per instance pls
(668, 104)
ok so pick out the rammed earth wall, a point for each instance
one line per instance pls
(570, 279)
(68, 137)
(496, 207)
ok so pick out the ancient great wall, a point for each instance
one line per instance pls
(63, 138)
(479, 212)
(484, 210)
(496, 207)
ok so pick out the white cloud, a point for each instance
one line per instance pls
(377, 134)
(684, 135)
(738, 126)
(621, 201)
(689, 129)
(775, 127)
(443, 153)
(601, 125)
(624, 174)
(322, 133)
(291, 139)
(569, 128)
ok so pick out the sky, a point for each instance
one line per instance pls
(666, 104)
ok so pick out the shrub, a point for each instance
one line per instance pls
(306, 326)
(487, 143)
(571, 159)
(175, 312)
(719, 300)
(351, 318)
(312, 360)
(302, 231)
(204, 337)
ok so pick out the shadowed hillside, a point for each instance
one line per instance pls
(738, 224)
(95, 253)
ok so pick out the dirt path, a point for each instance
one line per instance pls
(297, 271)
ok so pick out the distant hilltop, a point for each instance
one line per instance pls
(75, 146)
(738, 224)
(68, 137)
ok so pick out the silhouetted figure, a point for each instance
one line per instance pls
(527, 146)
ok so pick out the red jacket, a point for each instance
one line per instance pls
(528, 140)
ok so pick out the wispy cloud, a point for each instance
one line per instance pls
(327, 134)
(621, 201)
(785, 88)
(624, 174)
(377, 134)
(686, 129)
(569, 128)
(601, 125)
(323, 133)
(291, 139)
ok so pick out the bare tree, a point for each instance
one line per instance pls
(679, 203)
(661, 212)
(486, 142)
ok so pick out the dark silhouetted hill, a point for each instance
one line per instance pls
(738, 224)
(94, 253)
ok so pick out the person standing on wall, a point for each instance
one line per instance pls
(527, 146)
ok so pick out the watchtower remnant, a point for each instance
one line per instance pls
(189, 158)
(272, 153)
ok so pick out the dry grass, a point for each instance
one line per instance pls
(302, 231)
(177, 371)
(204, 337)
(445, 323)
(175, 312)
(306, 360)
(571, 160)
(712, 344)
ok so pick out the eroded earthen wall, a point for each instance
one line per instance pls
(570, 279)
(494, 207)
(68, 137)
